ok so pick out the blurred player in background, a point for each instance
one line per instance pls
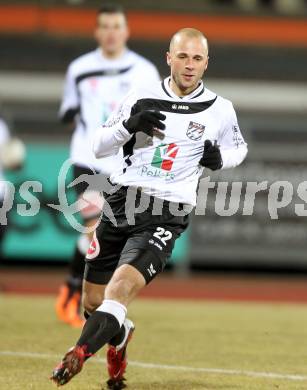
(12, 155)
(95, 84)
(199, 130)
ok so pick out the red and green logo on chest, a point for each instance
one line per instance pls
(164, 156)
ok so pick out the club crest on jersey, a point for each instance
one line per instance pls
(195, 131)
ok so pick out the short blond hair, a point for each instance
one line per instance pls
(188, 32)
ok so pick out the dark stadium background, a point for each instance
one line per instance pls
(258, 59)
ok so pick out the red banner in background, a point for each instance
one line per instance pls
(157, 25)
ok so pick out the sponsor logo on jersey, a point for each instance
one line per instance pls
(146, 170)
(195, 131)
(164, 156)
(161, 163)
(180, 107)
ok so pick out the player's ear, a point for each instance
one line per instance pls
(96, 34)
(168, 58)
(207, 62)
(127, 33)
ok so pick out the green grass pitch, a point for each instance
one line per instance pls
(181, 339)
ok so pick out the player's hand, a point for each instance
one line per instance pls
(149, 122)
(211, 156)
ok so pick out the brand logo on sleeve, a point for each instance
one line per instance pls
(237, 137)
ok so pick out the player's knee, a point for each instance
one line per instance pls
(91, 302)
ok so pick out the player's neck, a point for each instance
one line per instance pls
(114, 54)
(179, 91)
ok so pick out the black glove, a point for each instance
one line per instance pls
(211, 156)
(145, 121)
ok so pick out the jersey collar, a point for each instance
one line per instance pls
(125, 57)
(196, 93)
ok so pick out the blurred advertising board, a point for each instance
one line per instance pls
(45, 233)
(268, 228)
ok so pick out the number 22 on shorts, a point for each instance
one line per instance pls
(163, 235)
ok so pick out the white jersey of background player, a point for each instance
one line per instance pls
(95, 84)
(4, 138)
(12, 154)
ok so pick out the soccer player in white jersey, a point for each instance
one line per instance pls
(4, 137)
(12, 155)
(95, 84)
(199, 130)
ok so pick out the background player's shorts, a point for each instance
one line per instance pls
(146, 245)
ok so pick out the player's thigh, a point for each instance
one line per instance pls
(149, 250)
(125, 284)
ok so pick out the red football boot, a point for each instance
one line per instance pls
(117, 359)
(70, 365)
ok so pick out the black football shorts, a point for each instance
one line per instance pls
(146, 245)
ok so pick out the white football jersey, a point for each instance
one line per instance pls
(4, 137)
(169, 169)
(94, 87)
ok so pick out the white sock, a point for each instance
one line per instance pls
(115, 308)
